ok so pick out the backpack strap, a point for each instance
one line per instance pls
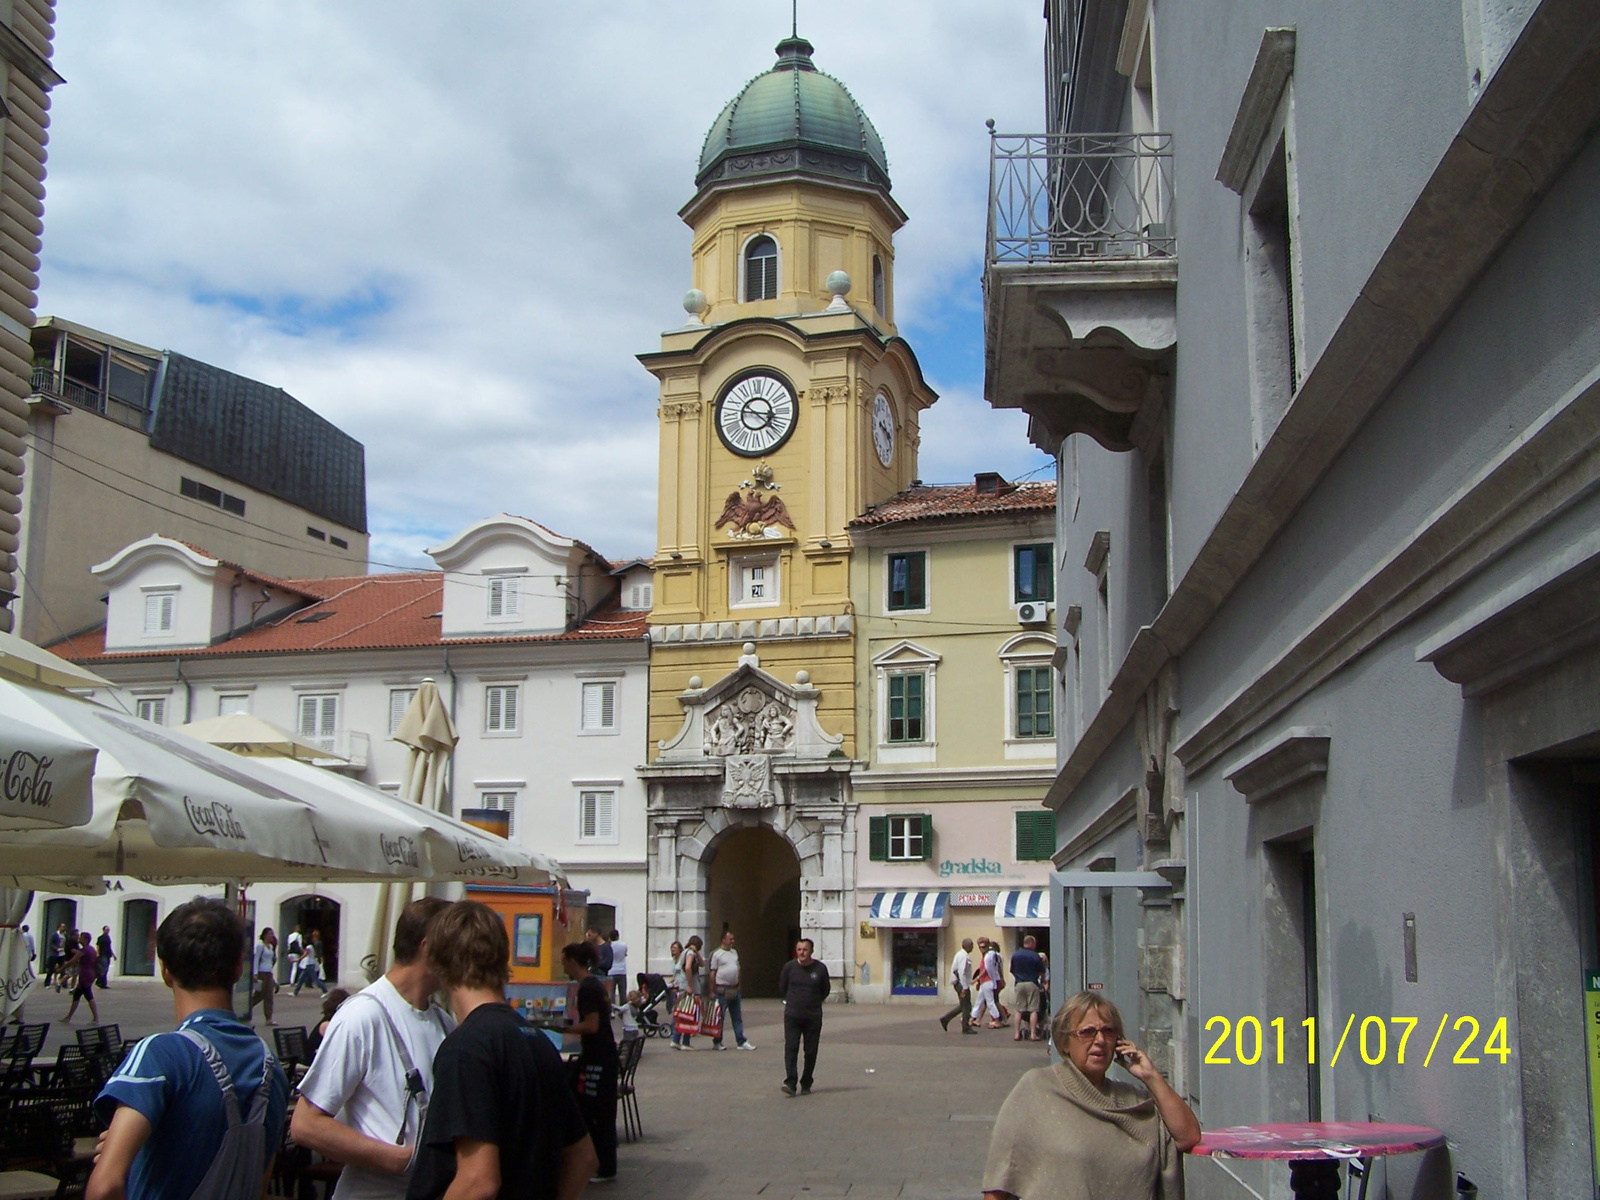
(219, 1069)
(230, 1097)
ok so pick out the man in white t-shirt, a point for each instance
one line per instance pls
(723, 967)
(363, 1101)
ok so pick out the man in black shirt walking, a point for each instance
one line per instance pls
(804, 985)
(501, 1121)
(596, 1082)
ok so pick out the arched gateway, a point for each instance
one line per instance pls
(749, 765)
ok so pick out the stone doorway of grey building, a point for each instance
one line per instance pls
(753, 888)
(310, 912)
(1069, 970)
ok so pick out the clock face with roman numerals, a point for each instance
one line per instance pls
(756, 413)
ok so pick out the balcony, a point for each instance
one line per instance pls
(1080, 284)
(347, 750)
(46, 381)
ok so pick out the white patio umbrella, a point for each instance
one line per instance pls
(16, 972)
(23, 660)
(246, 734)
(168, 808)
(45, 774)
(430, 738)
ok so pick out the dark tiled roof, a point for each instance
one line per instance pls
(361, 612)
(953, 502)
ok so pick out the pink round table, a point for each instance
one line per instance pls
(1315, 1148)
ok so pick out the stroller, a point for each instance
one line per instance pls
(653, 994)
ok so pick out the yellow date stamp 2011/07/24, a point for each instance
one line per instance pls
(1248, 1043)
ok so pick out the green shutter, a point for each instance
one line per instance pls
(1036, 835)
(927, 836)
(878, 838)
(1025, 837)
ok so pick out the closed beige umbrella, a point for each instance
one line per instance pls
(430, 737)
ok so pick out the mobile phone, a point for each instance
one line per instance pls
(1123, 1060)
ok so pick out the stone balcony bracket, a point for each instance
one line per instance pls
(1297, 755)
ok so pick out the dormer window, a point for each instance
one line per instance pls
(159, 611)
(880, 295)
(761, 269)
(639, 596)
(504, 597)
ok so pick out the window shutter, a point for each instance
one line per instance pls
(1025, 852)
(608, 705)
(399, 700)
(492, 700)
(927, 836)
(878, 838)
(496, 597)
(649, 588)
(606, 816)
(308, 716)
(330, 715)
(599, 705)
(509, 709)
(512, 592)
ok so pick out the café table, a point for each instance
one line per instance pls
(1314, 1149)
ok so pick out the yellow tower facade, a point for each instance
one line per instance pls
(789, 405)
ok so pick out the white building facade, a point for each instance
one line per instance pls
(544, 671)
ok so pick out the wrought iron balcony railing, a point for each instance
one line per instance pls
(47, 381)
(1072, 197)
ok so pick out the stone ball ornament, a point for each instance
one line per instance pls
(695, 683)
(801, 678)
(695, 303)
(837, 283)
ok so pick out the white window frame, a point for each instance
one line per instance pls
(927, 582)
(1028, 650)
(323, 741)
(907, 658)
(736, 580)
(502, 800)
(632, 603)
(153, 599)
(152, 709)
(409, 691)
(514, 728)
(584, 728)
(744, 266)
(888, 852)
(507, 585)
(225, 710)
(601, 836)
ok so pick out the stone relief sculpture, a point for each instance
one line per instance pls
(748, 782)
(750, 722)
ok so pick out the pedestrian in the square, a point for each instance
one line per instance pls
(502, 1120)
(56, 956)
(311, 965)
(1027, 973)
(723, 970)
(595, 1083)
(961, 979)
(86, 964)
(619, 966)
(102, 948)
(364, 1099)
(804, 984)
(262, 967)
(1067, 1130)
(294, 948)
(686, 979)
(196, 1112)
(994, 978)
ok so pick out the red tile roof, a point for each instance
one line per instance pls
(361, 612)
(952, 502)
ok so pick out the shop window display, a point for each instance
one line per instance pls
(916, 962)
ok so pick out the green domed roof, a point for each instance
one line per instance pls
(793, 118)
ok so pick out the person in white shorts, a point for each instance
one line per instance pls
(363, 1101)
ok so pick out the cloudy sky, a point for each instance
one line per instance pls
(450, 227)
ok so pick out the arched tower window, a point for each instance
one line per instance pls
(761, 269)
(880, 298)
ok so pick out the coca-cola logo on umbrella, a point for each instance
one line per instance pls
(26, 778)
(215, 819)
(401, 851)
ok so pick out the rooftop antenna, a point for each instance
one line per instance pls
(794, 13)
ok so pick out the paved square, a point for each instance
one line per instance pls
(900, 1108)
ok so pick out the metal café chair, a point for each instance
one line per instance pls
(289, 1042)
(627, 1093)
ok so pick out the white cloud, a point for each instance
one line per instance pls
(449, 228)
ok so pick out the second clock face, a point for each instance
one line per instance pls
(883, 429)
(756, 413)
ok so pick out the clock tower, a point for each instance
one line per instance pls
(789, 404)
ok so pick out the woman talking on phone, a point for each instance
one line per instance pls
(1066, 1131)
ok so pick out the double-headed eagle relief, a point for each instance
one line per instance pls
(755, 511)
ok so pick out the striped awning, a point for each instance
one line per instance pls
(1028, 906)
(909, 910)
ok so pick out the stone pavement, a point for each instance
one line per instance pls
(900, 1108)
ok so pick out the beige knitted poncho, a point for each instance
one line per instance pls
(1058, 1137)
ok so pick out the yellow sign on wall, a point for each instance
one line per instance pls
(1591, 1016)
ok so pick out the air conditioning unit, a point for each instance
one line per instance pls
(1033, 614)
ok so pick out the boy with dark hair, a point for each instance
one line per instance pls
(598, 1064)
(501, 1122)
(364, 1100)
(202, 1107)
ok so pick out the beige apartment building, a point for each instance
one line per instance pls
(26, 29)
(126, 441)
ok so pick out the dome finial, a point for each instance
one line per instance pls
(794, 12)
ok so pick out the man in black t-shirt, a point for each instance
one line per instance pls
(596, 1081)
(501, 1121)
(804, 984)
